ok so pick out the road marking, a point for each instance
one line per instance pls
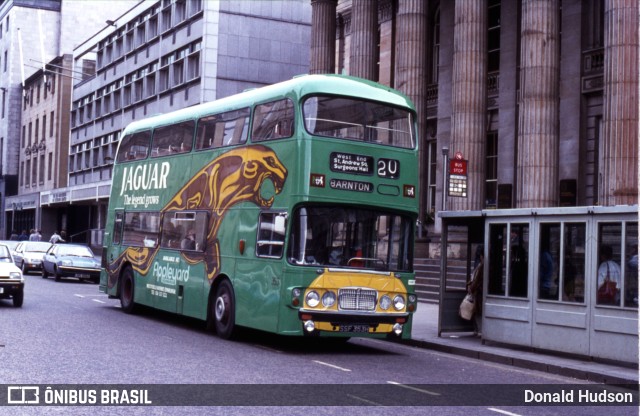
(414, 388)
(331, 365)
(98, 300)
(364, 400)
(452, 356)
(78, 295)
(504, 412)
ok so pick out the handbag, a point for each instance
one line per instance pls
(467, 307)
(608, 290)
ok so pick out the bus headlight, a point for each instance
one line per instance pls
(398, 303)
(328, 299)
(385, 302)
(312, 298)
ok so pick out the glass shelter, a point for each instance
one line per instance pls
(555, 279)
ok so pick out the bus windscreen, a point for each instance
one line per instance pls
(350, 237)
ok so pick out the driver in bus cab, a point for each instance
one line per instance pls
(189, 241)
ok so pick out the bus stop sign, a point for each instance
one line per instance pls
(458, 176)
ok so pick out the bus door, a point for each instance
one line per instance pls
(462, 244)
(181, 269)
(260, 277)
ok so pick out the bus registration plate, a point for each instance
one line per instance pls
(354, 328)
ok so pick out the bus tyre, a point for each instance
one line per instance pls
(224, 313)
(127, 289)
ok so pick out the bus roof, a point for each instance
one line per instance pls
(299, 86)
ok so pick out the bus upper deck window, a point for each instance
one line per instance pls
(223, 129)
(172, 139)
(359, 120)
(274, 120)
(134, 146)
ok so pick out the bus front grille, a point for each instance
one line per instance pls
(357, 299)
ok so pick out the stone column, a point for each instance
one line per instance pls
(364, 39)
(620, 138)
(323, 36)
(411, 66)
(468, 98)
(538, 135)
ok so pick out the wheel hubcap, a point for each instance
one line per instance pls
(221, 308)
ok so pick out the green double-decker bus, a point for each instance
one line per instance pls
(289, 208)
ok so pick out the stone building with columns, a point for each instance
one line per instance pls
(539, 96)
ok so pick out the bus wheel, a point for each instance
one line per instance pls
(127, 290)
(224, 310)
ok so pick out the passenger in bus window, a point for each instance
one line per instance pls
(189, 241)
(609, 274)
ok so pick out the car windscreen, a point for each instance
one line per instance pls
(37, 247)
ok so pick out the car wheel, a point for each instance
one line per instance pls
(45, 275)
(127, 291)
(23, 268)
(223, 310)
(56, 275)
(18, 299)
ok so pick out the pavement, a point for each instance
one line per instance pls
(424, 334)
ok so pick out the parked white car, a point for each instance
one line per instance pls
(28, 255)
(11, 280)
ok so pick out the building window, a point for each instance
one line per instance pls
(435, 48)
(163, 79)
(153, 27)
(51, 125)
(137, 91)
(44, 127)
(431, 180)
(41, 173)
(491, 171)
(27, 179)
(493, 39)
(178, 72)
(49, 166)
(181, 9)
(193, 66)
(24, 135)
(151, 85)
(166, 18)
(141, 38)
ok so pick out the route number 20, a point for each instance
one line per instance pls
(388, 168)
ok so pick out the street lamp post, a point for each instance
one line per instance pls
(445, 162)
